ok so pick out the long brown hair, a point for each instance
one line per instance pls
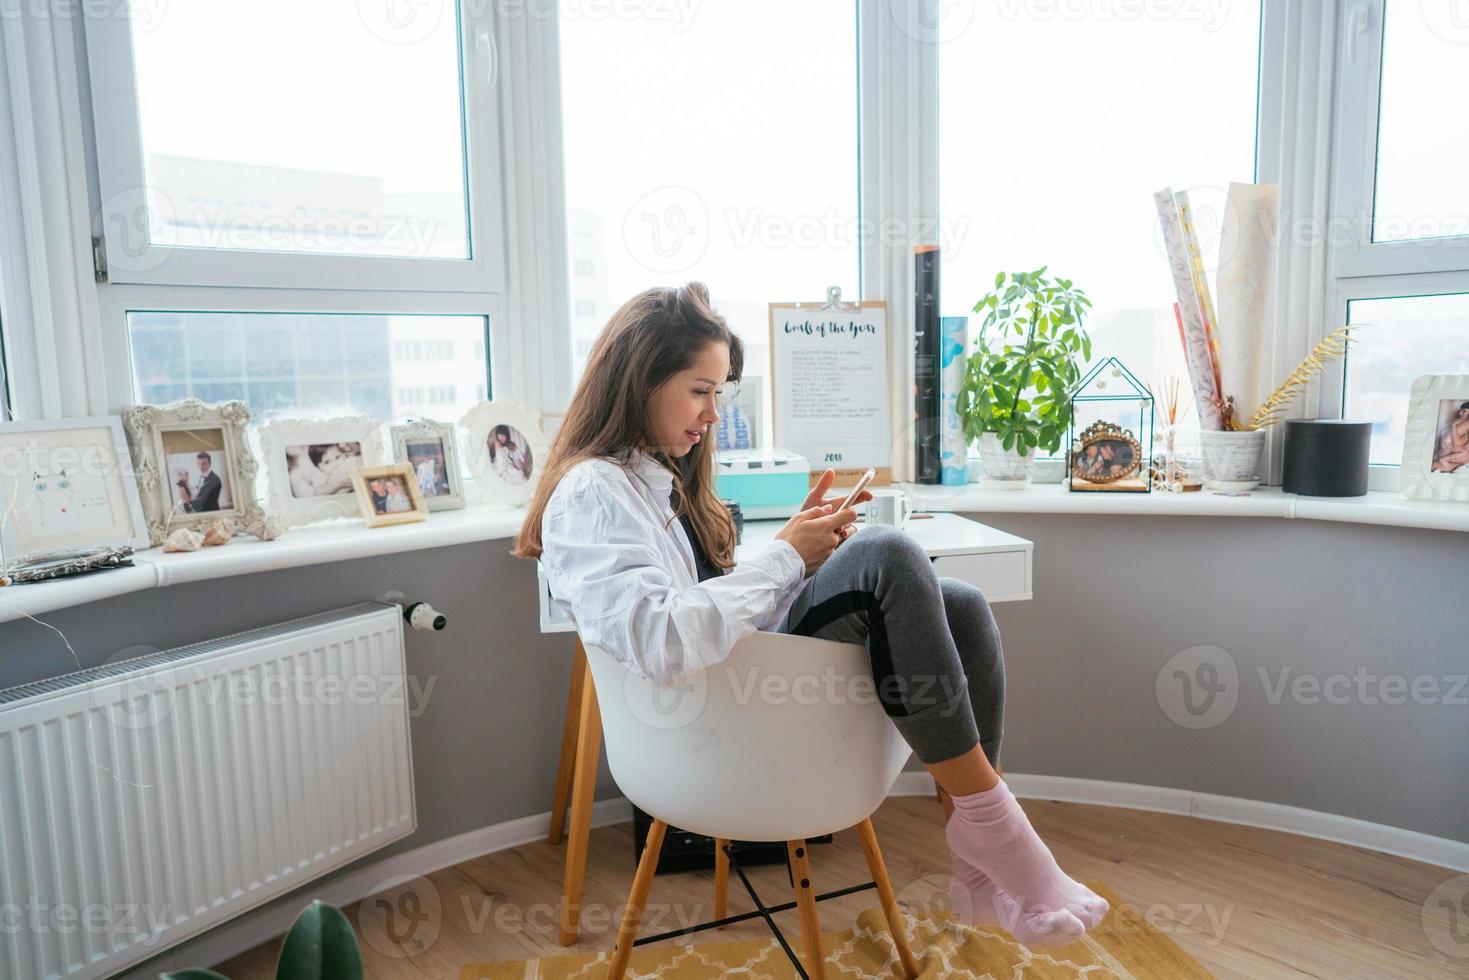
(654, 336)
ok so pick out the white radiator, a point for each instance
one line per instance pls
(147, 800)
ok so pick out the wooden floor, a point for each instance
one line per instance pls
(1246, 903)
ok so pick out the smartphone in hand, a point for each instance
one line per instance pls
(865, 479)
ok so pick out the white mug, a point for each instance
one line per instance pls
(888, 507)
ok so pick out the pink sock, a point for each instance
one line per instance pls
(990, 832)
(977, 901)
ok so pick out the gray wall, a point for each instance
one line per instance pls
(1115, 598)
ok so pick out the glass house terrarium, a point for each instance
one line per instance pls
(1110, 439)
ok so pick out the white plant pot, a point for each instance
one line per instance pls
(1004, 469)
(1232, 459)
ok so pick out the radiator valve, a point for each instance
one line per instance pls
(422, 616)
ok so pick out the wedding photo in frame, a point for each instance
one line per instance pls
(506, 450)
(194, 465)
(309, 463)
(432, 451)
(389, 494)
(67, 484)
(1436, 440)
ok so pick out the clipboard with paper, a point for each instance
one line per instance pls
(830, 383)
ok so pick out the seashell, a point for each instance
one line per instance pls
(183, 539)
(266, 528)
(218, 532)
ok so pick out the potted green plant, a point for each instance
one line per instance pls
(1015, 398)
(320, 946)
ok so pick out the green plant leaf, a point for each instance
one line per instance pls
(320, 946)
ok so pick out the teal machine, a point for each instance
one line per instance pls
(766, 483)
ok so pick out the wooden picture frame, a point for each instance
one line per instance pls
(385, 508)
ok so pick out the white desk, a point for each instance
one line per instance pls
(999, 564)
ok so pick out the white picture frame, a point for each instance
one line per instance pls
(1433, 469)
(498, 477)
(444, 489)
(309, 480)
(42, 448)
(170, 444)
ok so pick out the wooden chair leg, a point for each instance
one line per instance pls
(633, 917)
(569, 732)
(806, 901)
(583, 791)
(879, 870)
(721, 878)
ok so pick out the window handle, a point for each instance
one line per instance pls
(484, 43)
(1357, 25)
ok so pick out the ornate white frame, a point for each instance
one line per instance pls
(11, 545)
(277, 434)
(478, 422)
(146, 425)
(417, 430)
(1418, 481)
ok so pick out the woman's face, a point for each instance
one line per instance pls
(682, 409)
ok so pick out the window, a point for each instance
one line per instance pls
(1056, 129)
(1405, 337)
(1422, 141)
(319, 230)
(1399, 245)
(334, 363)
(715, 142)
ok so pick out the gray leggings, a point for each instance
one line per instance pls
(933, 642)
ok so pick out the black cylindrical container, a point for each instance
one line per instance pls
(1326, 457)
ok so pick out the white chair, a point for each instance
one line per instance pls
(735, 755)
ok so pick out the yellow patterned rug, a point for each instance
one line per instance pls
(1123, 947)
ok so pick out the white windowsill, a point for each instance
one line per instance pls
(348, 539)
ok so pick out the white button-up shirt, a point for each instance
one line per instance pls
(618, 562)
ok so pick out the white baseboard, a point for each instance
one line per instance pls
(272, 920)
(1440, 851)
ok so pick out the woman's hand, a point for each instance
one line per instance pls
(817, 498)
(816, 532)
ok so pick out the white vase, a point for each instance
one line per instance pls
(1232, 459)
(1004, 469)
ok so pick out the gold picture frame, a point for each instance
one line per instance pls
(1090, 462)
(379, 505)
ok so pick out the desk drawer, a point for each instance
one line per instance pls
(1001, 575)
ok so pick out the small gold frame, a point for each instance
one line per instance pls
(371, 514)
(1103, 432)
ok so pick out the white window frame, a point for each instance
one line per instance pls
(1357, 267)
(120, 300)
(121, 175)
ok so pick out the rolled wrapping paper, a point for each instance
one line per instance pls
(1190, 311)
(1246, 275)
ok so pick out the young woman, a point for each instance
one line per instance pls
(633, 457)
